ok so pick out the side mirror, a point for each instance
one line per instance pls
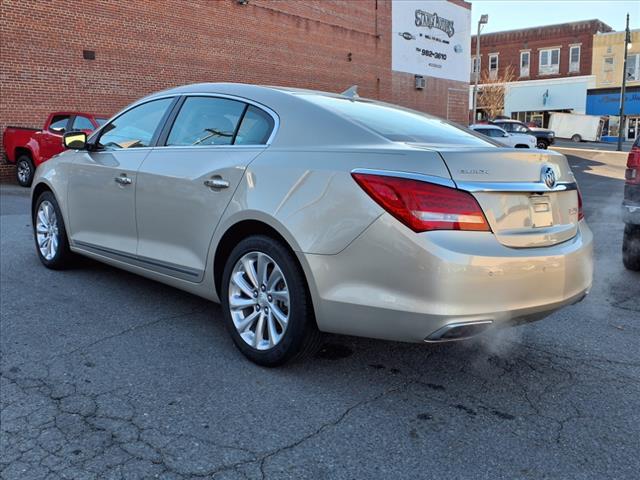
(75, 140)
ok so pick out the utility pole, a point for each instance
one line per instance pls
(483, 21)
(627, 40)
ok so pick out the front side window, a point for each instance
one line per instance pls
(633, 67)
(101, 121)
(506, 126)
(396, 123)
(517, 128)
(136, 127)
(574, 59)
(525, 58)
(59, 123)
(549, 61)
(206, 121)
(81, 123)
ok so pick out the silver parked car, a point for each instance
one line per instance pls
(304, 212)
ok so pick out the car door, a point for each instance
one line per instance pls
(102, 180)
(185, 185)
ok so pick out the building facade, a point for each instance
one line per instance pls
(543, 69)
(604, 97)
(101, 56)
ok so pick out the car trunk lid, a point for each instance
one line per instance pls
(509, 184)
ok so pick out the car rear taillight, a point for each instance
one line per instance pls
(423, 206)
(632, 173)
(580, 210)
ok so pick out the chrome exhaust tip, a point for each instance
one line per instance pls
(458, 331)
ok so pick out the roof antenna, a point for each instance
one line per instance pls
(351, 92)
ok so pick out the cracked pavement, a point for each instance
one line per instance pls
(107, 375)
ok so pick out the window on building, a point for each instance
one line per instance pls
(633, 68)
(549, 61)
(607, 69)
(493, 66)
(475, 67)
(574, 59)
(525, 60)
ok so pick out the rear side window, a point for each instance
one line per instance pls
(256, 127)
(398, 124)
(206, 121)
(136, 127)
(59, 123)
(82, 123)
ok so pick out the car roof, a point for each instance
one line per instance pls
(506, 120)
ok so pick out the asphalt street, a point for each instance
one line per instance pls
(104, 374)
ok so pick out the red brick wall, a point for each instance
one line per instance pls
(509, 44)
(143, 46)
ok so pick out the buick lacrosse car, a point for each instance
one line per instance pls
(304, 212)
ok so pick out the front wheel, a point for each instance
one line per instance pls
(266, 304)
(576, 138)
(542, 145)
(50, 235)
(631, 247)
(24, 170)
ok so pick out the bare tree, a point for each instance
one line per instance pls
(492, 89)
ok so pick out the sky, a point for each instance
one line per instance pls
(513, 14)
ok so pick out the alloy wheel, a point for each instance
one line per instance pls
(24, 171)
(47, 230)
(259, 300)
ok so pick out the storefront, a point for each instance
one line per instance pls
(607, 102)
(533, 101)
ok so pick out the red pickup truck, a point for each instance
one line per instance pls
(29, 147)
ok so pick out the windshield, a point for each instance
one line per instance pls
(398, 124)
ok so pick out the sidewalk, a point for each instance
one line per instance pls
(565, 143)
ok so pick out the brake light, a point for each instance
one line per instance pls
(632, 173)
(423, 206)
(580, 210)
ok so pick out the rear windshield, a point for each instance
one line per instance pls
(398, 124)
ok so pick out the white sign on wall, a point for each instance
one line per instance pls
(432, 38)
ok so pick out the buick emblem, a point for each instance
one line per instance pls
(548, 176)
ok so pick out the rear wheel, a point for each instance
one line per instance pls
(24, 170)
(576, 138)
(542, 144)
(631, 247)
(50, 235)
(266, 304)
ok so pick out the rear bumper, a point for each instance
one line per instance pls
(631, 213)
(393, 284)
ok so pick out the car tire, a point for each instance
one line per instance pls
(576, 138)
(25, 170)
(542, 145)
(50, 235)
(631, 247)
(254, 317)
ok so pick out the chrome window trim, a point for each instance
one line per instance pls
(270, 112)
(445, 182)
(535, 187)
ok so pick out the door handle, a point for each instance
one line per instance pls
(216, 182)
(123, 180)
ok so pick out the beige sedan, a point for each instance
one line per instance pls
(304, 212)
